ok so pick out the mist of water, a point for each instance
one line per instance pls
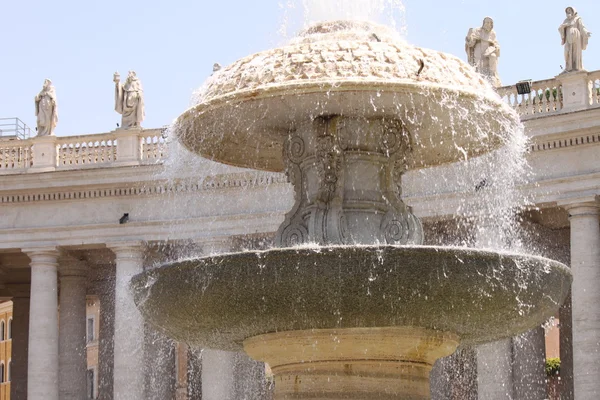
(298, 14)
(489, 185)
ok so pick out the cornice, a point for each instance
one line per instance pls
(563, 141)
(141, 188)
(86, 236)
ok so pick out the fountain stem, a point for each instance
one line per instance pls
(357, 363)
(346, 173)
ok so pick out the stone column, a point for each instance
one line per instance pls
(129, 325)
(250, 378)
(585, 264)
(566, 350)
(42, 363)
(194, 374)
(217, 369)
(529, 365)
(20, 342)
(106, 349)
(72, 360)
(455, 377)
(218, 380)
(159, 358)
(224, 375)
(494, 370)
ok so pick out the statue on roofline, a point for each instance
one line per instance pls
(129, 100)
(46, 109)
(574, 37)
(483, 50)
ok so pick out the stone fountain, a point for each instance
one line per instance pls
(350, 305)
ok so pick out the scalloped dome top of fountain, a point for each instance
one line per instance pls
(357, 69)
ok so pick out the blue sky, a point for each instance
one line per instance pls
(173, 44)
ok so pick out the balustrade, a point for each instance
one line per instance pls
(595, 87)
(15, 154)
(545, 98)
(85, 150)
(154, 147)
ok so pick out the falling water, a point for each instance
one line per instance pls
(298, 14)
(491, 201)
(364, 10)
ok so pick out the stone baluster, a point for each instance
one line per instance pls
(42, 368)
(585, 264)
(129, 325)
(20, 342)
(546, 96)
(596, 91)
(514, 98)
(528, 103)
(536, 102)
(72, 359)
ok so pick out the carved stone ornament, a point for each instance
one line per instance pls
(346, 174)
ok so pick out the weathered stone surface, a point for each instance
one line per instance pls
(217, 302)
(247, 110)
(347, 175)
(353, 363)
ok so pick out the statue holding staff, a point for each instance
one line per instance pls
(46, 109)
(574, 37)
(129, 100)
(483, 50)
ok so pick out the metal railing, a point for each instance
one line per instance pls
(14, 128)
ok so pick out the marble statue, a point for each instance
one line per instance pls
(129, 100)
(574, 38)
(483, 50)
(46, 109)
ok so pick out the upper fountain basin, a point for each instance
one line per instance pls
(481, 296)
(357, 69)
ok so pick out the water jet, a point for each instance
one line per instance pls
(350, 305)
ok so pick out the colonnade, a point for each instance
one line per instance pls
(52, 363)
(49, 359)
(49, 351)
(585, 295)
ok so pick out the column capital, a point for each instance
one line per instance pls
(127, 250)
(42, 255)
(581, 206)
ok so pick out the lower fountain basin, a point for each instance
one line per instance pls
(480, 296)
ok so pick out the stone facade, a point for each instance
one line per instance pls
(63, 208)
(6, 317)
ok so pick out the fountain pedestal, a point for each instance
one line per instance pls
(345, 109)
(346, 173)
(353, 363)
